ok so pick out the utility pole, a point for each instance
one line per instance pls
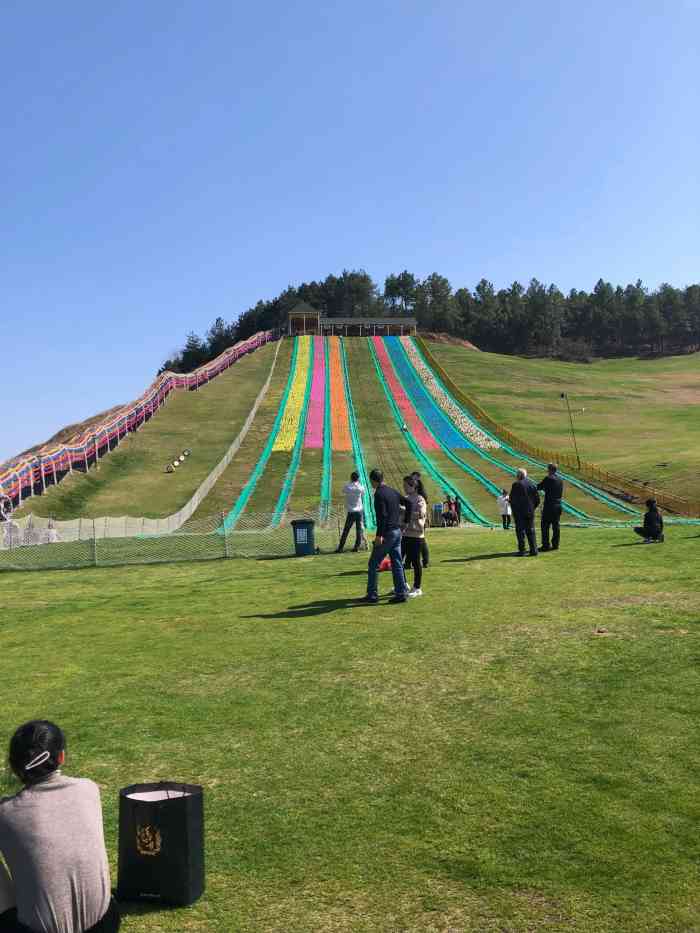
(571, 422)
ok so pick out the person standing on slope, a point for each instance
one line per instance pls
(524, 499)
(387, 508)
(553, 489)
(354, 491)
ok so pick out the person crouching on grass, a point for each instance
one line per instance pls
(413, 533)
(653, 528)
(52, 840)
(387, 508)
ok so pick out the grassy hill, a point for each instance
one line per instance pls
(480, 759)
(131, 480)
(641, 416)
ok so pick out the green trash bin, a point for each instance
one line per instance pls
(303, 530)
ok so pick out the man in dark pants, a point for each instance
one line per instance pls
(387, 507)
(553, 489)
(354, 491)
(524, 499)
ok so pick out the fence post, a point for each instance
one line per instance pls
(223, 527)
(94, 543)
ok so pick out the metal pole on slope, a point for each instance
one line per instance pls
(571, 422)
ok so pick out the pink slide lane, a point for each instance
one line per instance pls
(317, 399)
(408, 412)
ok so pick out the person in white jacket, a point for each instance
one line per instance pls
(354, 492)
(504, 509)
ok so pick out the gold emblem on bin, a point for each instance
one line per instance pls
(148, 840)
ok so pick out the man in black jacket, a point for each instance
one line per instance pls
(524, 499)
(387, 508)
(553, 489)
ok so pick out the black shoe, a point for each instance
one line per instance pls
(369, 599)
(338, 550)
(555, 547)
(355, 550)
(546, 547)
(521, 553)
(532, 554)
(398, 599)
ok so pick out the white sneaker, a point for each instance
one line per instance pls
(414, 592)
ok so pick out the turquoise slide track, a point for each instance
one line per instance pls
(357, 451)
(444, 430)
(585, 487)
(249, 488)
(468, 510)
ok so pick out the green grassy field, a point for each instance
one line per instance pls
(480, 759)
(640, 415)
(132, 481)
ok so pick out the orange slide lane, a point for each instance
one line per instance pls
(340, 425)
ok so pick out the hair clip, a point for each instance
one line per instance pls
(39, 760)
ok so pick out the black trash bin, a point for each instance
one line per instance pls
(303, 530)
(161, 843)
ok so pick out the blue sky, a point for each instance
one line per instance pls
(164, 163)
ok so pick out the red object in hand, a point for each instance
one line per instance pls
(386, 563)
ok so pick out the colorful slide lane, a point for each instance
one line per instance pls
(415, 438)
(410, 417)
(317, 402)
(340, 404)
(586, 489)
(437, 419)
(295, 420)
(245, 495)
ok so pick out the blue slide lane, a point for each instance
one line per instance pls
(425, 405)
(584, 486)
(468, 510)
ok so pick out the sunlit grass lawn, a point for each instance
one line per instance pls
(477, 759)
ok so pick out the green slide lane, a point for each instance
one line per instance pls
(249, 488)
(288, 483)
(358, 453)
(468, 510)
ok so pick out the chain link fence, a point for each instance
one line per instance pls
(44, 544)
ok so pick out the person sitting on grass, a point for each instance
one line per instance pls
(413, 533)
(449, 512)
(52, 841)
(653, 529)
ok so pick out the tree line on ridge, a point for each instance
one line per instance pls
(537, 320)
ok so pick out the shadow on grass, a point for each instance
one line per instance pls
(466, 560)
(316, 607)
(137, 908)
(352, 573)
(629, 544)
